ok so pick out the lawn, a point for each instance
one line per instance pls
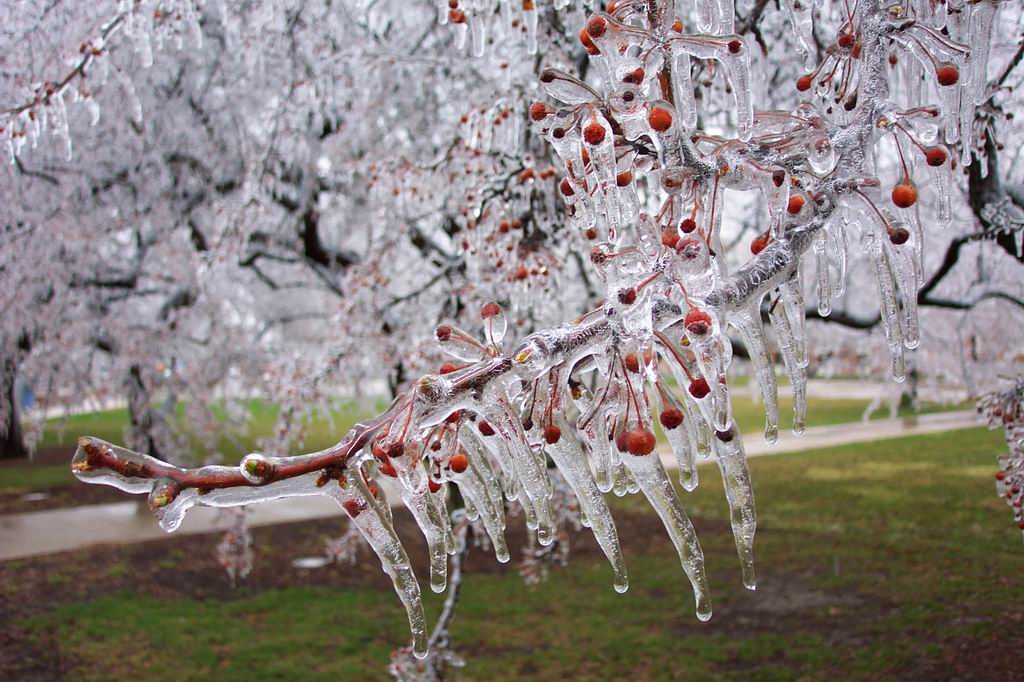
(884, 560)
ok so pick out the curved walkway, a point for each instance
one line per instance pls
(60, 530)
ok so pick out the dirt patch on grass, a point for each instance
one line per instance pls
(72, 493)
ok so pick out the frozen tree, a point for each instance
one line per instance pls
(583, 214)
(1005, 409)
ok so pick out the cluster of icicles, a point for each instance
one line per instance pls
(584, 396)
(1005, 410)
(814, 167)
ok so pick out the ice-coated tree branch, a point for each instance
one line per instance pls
(642, 182)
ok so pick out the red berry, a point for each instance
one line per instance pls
(521, 273)
(597, 26)
(688, 225)
(627, 296)
(1000, 475)
(621, 441)
(670, 237)
(443, 332)
(697, 322)
(588, 42)
(458, 463)
(671, 418)
(552, 434)
(632, 362)
(354, 507)
(636, 76)
(725, 436)
(660, 119)
(594, 133)
(935, 156)
(897, 234)
(803, 83)
(387, 469)
(796, 202)
(456, 16)
(845, 39)
(538, 111)
(677, 25)
(448, 368)
(624, 178)
(761, 241)
(490, 310)
(433, 485)
(566, 188)
(640, 442)
(904, 194)
(591, 233)
(396, 449)
(947, 74)
(735, 46)
(699, 387)
(485, 428)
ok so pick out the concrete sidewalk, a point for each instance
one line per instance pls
(61, 530)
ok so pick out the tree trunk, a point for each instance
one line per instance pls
(140, 414)
(12, 441)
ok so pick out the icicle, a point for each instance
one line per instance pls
(824, 281)
(673, 418)
(682, 84)
(902, 259)
(791, 292)
(785, 334)
(983, 14)
(530, 20)
(415, 495)
(366, 514)
(658, 490)
(803, 28)
(732, 460)
(887, 301)
(532, 475)
(749, 325)
(572, 463)
(474, 492)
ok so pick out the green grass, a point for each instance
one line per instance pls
(874, 560)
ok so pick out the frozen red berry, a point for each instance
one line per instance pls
(699, 387)
(552, 434)
(904, 194)
(594, 133)
(697, 322)
(640, 442)
(947, 74)
(459, 462)
(671, 418)
(660, 119)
